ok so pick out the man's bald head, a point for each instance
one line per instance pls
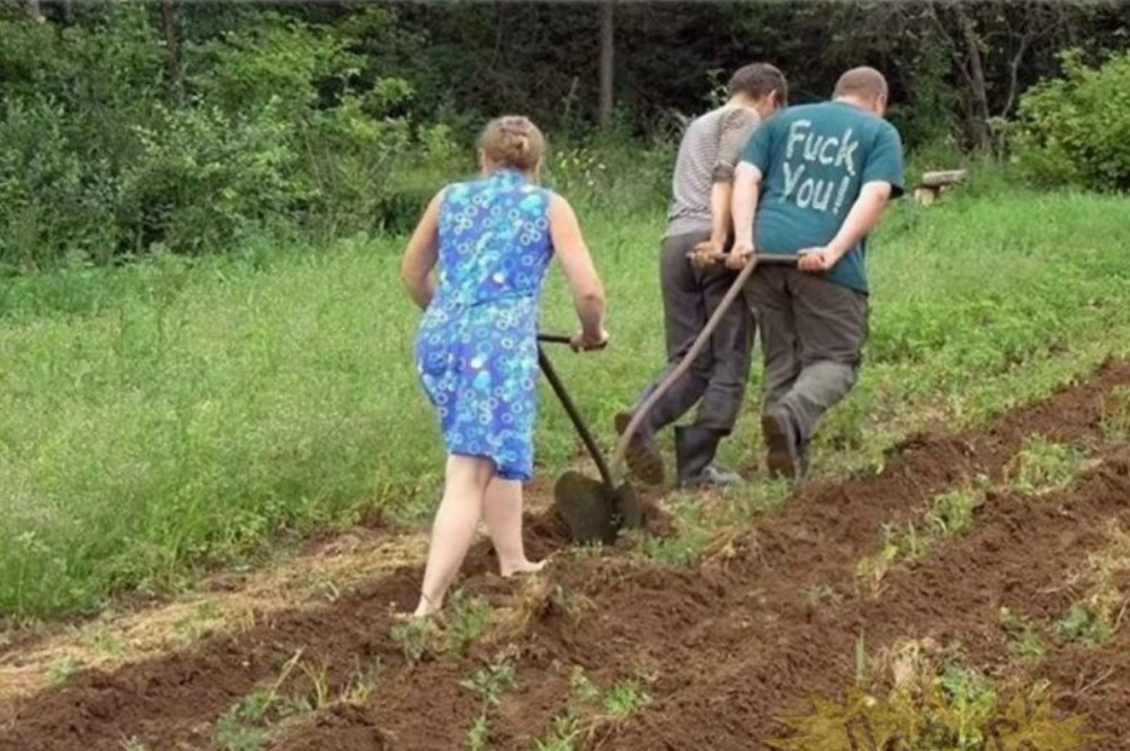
(865, 85)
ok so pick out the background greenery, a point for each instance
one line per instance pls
(203, 343)
(132, 127)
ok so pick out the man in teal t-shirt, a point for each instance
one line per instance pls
(813, 181)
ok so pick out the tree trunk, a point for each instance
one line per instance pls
(1041, 21)
(33, 10)
(607, 45)
(977, 90)
(172, 52)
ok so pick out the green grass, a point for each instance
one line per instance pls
(692, 536)
(245, 726)
(1080, 625)
(169, 415)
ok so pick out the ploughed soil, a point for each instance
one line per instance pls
(769, 618)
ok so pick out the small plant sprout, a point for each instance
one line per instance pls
(487, 684)
(1043, 466)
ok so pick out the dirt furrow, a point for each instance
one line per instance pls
(170, 701)
(683, 620)
(696, 623)
(1020, 548)
(1095, 683)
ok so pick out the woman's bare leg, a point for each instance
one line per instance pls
(502, 511)
(453, 531)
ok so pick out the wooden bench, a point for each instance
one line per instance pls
(933, 184)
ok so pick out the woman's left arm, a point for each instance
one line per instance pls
(421, 255)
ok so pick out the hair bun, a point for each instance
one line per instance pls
(513, 142)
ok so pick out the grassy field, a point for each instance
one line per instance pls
(170, 415)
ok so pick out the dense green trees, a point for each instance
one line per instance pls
(124, 126)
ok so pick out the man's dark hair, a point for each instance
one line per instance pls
(758, 80)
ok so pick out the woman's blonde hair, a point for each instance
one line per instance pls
(513, 142)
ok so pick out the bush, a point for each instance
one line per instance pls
(65, 94)
(349, 158)
(51, 202)
(204, 179)
(1076, 130)
(280, 128)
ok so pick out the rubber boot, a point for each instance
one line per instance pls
(787, 456)
(694, 458)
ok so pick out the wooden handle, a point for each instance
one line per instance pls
(575, 416)
(688, 360)
(784, 258)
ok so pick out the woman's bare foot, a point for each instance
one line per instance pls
(521, 567)
(427, 607)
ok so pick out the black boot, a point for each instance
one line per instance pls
(694, 457)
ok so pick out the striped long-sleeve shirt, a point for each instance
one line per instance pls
(709, 152)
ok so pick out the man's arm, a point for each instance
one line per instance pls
(863, 217)
(707, 253)
(743, 208)
(882, 180)
(737, 126)
(720, 193)
(748, 178)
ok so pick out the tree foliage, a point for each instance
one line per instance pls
(1076, 130)
(182, 125)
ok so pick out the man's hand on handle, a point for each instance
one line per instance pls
(739, 255)
(817, 260)
(706, 254)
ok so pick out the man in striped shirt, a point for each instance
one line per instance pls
(699, 219)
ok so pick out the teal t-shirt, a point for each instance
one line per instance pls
(814, 159)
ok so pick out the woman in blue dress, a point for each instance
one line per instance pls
(490, 241)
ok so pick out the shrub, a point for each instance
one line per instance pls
(51, 201)
(280, 128)
(1076, 130)
(204, 178)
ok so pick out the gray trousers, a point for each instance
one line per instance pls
(717, 381)
(812, 336)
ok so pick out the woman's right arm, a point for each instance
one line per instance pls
(421, 255)
(588, 292)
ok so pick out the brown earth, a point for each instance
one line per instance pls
(1019, 548)
(1096, 683)
(734, 642)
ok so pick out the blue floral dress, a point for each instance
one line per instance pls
(476, 349)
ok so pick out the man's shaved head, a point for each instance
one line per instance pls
(863, 82)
